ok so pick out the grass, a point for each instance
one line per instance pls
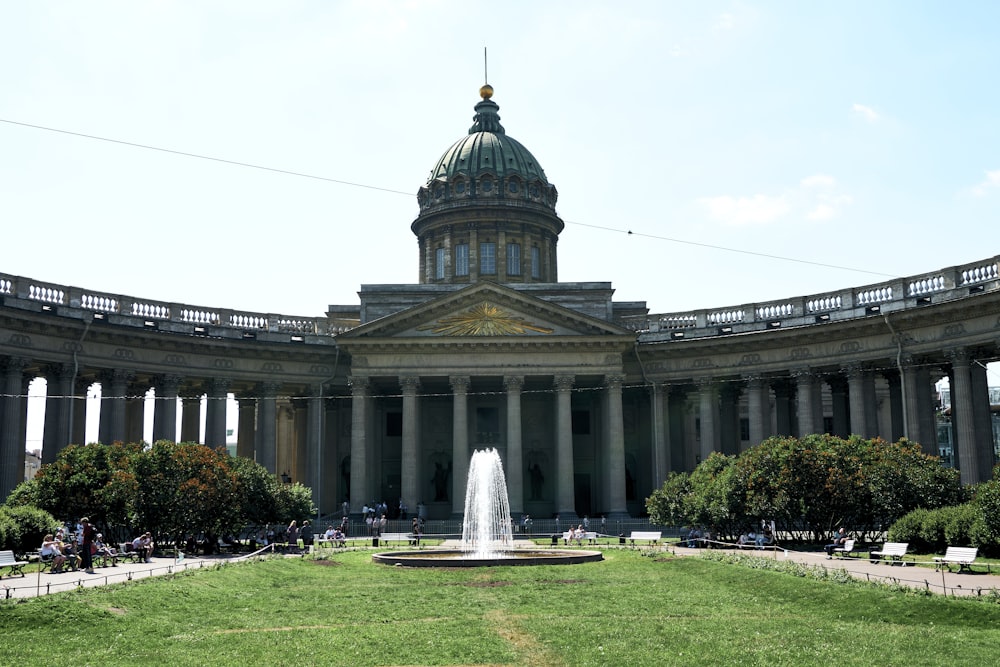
(632, 609)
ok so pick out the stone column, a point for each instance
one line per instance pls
(78, 412)
(661, 432)
(708, 406)
(565, 501)
(912, 406)
(114, 388)
(805, 389)
(870, 400)
(984, 421)
(856, 398)
(191, 417)
(618, 507)
(266, 440)
(964, 416)
(247, 426)
(315, 428)
(927, 414)
(215, 412)
(893, 379)
(58, 406)
(135, 413)
(729, 418)
(12, 425)
(515, 457)
(460, 442)
(410, 449)
(758, 409)
(359, 441)
(165, 407)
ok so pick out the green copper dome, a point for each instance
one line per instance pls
(486, 163)
(487, 212)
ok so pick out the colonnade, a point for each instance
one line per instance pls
(560, 432)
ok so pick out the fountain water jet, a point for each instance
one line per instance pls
(486, 529)
(487, 537)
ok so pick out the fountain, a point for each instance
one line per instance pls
(487, 538)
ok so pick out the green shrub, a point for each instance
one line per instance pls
(909, 529)
(932, 530)
(958, 523)
(26, 526)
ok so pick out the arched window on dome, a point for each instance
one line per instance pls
(513, 186)
(459, 186)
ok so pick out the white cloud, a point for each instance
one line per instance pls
(828, 206)
(867, 113)
(818, 181)
(746, 210)
(726, 21)
(992, 182)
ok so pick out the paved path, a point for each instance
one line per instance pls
(35, 583)
(978, 582)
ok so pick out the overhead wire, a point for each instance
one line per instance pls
(289, 172)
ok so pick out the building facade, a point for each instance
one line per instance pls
(591, 402)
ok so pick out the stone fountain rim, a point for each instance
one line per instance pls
(449, 558)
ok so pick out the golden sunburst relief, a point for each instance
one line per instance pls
(484, 319)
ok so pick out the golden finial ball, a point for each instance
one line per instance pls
(486, 92)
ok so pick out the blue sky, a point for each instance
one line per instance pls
(855, 134)
(858, 139)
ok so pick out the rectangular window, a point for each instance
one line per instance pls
(536, 262)
(513, 259)
(487, 258)
(461, 259)
(439, 263)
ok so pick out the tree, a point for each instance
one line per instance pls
(184, 488)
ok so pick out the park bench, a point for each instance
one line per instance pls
(127, 554)
(890, 551)
(845, 550)
(397, 537)
(16, 566)
(570, 536)
(652, 536)
(963, 556)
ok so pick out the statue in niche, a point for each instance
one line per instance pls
(440, 481)
(345, 475)
(537, 479)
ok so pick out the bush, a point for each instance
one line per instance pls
(958, 523)
(25, 527)
(909, 529)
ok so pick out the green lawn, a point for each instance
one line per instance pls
(631, 609)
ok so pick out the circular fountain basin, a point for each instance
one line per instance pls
(459, 558)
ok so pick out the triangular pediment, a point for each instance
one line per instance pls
(485, 310)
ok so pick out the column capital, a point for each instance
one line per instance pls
(220, 385)
(513, 382)
(460, 383)
(169, 384)
(612, 380)
(409, 383)
(268, 388)
(359, 384)
(958, 356)
(564, 382)
(799, 374)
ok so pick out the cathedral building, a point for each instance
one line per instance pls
(589, 401)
